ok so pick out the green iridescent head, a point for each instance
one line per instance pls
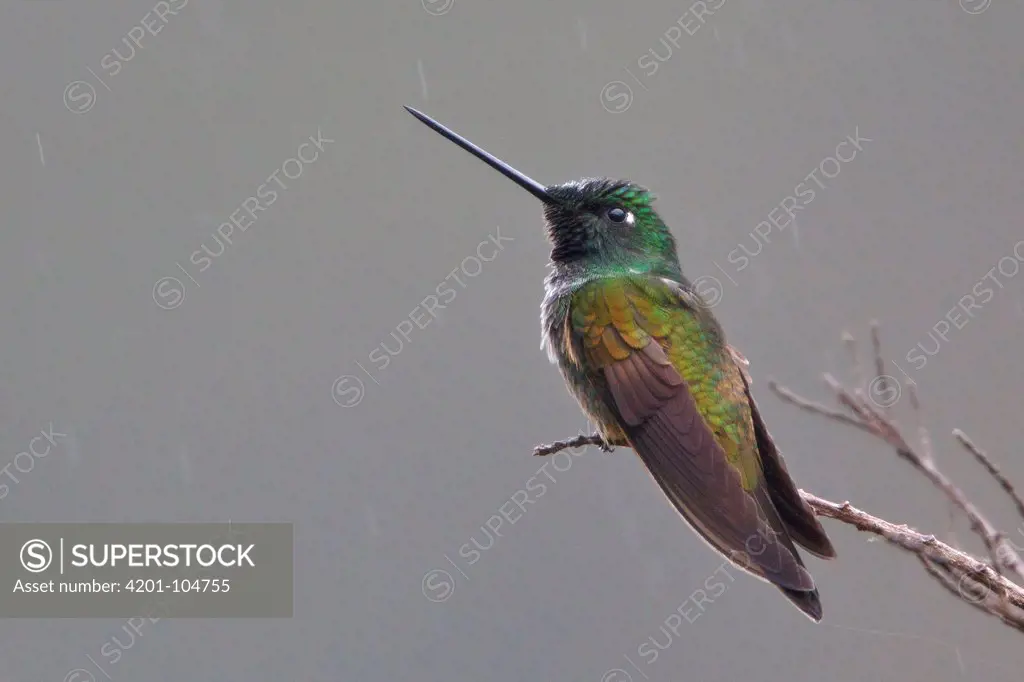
(595, 220)
(600, 218)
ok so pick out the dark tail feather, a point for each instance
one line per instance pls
(802, 524)
(808, 602)
(800, 520)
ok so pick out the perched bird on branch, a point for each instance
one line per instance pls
(649, 364)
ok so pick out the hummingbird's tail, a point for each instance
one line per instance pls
(797, 516)
(808, 602)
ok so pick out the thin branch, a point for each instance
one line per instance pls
(969, 592)
(815, 408)
(876, 347)
(986, 462)
(559, 445)
(928, 547)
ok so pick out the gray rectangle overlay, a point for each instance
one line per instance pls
(154, 570)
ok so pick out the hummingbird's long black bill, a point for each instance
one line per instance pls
(529, 184)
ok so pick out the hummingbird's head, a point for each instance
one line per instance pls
(592, 221)
(599, 218)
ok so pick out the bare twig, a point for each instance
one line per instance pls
(559, 445)
(986, 462)
(815, 408)
(971, 576)
(881, 376)
(968, 591)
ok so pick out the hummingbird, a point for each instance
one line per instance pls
(649, 364)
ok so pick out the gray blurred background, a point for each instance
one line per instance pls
(256, 392)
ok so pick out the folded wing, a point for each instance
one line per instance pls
(625, 331)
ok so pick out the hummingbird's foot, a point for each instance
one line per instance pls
(606, 447)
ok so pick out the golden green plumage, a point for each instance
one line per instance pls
(616, 316)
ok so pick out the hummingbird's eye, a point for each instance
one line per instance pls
(616, 215)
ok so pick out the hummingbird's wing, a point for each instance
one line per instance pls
(660, 363)
(795, 513)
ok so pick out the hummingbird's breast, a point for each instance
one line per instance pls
(585, 384)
